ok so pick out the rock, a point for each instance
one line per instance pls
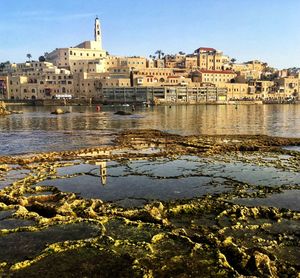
(4, 168)
(261, 265)
(123, 113)
(58, 111)
(3, 110)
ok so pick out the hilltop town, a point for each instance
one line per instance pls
(88, 72)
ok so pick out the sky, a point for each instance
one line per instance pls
(268, 30)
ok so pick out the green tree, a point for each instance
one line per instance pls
(42, 59)
(29, 56)
(159, 53)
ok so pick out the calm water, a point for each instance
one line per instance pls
(37, 130)
(137, 182)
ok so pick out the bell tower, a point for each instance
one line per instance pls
(97, 32)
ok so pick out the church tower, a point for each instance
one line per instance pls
(97, 31)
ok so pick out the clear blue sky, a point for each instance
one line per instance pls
(268, 30)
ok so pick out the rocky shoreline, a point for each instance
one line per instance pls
(205, 236)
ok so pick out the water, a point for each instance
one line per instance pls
(289, 199)
(138, 182)
(37, 130)
(19, 246)
(134, 183)
(292, 148)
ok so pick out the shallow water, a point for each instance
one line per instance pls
(12, 176)
(6, 213)
(38, 130)
(11, 223)
(289, 199)
(292, 148)
(21, 245)
(140, 181)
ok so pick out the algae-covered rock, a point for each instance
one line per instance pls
(122, 113)
(4, 167)
(58, 111)
(261, 265)
(3, 110)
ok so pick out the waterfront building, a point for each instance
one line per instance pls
(286, 87)
(210, 59)
(214, 76)
(162, 94)
(237, 91)
(86, 71)
(4, 89)
(75, 58)
(40, 80)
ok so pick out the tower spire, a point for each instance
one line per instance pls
(97, 32)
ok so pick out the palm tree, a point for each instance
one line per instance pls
(233, 60)
(181, 53)
(29, 56)
(159, 53)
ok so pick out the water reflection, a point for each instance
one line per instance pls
(38, 130)
(165, 179)
(102, 170)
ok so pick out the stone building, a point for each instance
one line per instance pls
(210, 59)
(87, 71)
(213, 76)
(75, 58)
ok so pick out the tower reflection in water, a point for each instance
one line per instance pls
(103, 171)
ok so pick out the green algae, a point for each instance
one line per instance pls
(206, 236)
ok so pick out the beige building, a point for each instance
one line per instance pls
(210, 59)
(214, 76)
(40, 80)
(152, 80)
(236, 90)
(256, 65)
(261, 88)
(86, 69)
(287, 86)
(69, 58)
